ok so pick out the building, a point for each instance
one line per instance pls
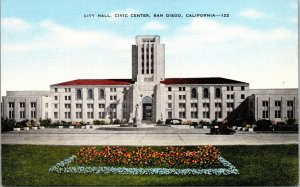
(148, 96)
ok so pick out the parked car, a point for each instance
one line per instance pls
(173, 121)
(222, 130)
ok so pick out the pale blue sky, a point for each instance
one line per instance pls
(45, 42)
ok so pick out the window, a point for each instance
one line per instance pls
(101, 94)
(79, 106)
(67, 115)
(194, 114)
(265, 103)
(181, 105)
(181, 89)
(90, 105)
(232, 96)
(169, 105)
(229, 88)
(69, 89)
(206, 114)
(169, 89)
(228, 96)
(115, 97)
(230, 105)
(22, 114)
(278, 103)
(102, 115)
(218, 105)
(79, 115)
(242, 87)
(277, 114)
(22, 105)
(113, 89)
(11, 105)
(55, 89)
(169, 114)
(218, 114)
(101, 105)
(181, 114)
(55, 115)
(290, 109)
(193, 93)
(78, 93)
(46, 115)
(169, 97)
(205, 105)
(11, 114)
(33, 114)
(181, 97)
(56, 97)
(67, 105)
(112, 105)
(66, 90)
(66, 98)
(46, 105)
(218, 93)
(33, 105)
(205, 93)
(90, 94)
(55, 105)
(194, 105)
(265, 114)
(243, 96)
(113, 114)
(90, 115)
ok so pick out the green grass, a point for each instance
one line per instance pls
(258, 165)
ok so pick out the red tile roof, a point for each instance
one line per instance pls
(210, 80)
(96, 82)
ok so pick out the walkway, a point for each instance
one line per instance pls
(158, 136)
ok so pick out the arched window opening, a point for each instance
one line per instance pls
(218, 93)
(194, 93)
(101, 94)
(205, 93)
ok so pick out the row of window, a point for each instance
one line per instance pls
(69, 89)
(194, 95)
(68, 98)
(90, 115)
(229, 88)
(22, 105)
(205, 105)
(101, 105)
(11, 115)
(277, 113)
(278, 103)
(206, 115)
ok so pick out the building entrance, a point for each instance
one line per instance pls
(147, 108)
(147, 111)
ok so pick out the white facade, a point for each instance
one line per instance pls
(148, 96)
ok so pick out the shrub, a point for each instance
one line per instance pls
(159, 122)
(45, 122)
(7, 124)
(123, 121)
(22, 123)
(117, 121)
(56, 123)
(291, 121)
(263, 125)
(96, 122)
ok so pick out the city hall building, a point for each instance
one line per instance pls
(149, 96)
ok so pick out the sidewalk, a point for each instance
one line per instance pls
(159, 136)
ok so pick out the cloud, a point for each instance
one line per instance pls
(116, 14)
(207, 48)
(155, 26)
(251, 13)
(293, 20)
(14, 24)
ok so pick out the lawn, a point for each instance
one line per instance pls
(258, 165)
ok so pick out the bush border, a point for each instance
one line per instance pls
(63, 167)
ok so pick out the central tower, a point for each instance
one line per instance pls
(148, 69)
(148, 59)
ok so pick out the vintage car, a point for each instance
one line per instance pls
(222, 130)
(173, 122)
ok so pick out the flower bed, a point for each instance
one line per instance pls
(145, 161)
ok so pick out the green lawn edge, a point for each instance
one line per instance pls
(263, 165)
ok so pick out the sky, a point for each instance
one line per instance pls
(45, 42)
